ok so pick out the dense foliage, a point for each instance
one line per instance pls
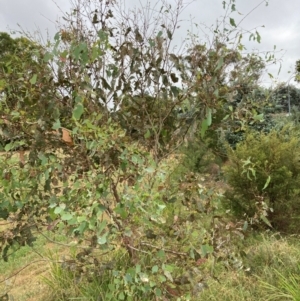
(89, 126)
(264, 173)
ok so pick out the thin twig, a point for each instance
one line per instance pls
(133, 248)
(167, 251)
(23, 268)
(62, 244)
(251, 11)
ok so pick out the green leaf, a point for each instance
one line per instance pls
(258, 37)
(101, 227)
(121, 211)
(48, 56)
(204, 127)
(192, 253)
(78, 99)
(2, 84)
(78, 111)
(162, 278)
(12, 145)
(72, 221)
(220, 63)
(138, 268)
(165, 80)
(128, 278)
(121, 296)
(245, 227)
(92, 222)
(154, 269)
(57, 36)
(175, 91)
(56, 125)
(151, 43)
(161, 254)
(226, 117)
(82, 227)
(241, 47)
(206, 249)
(232, 22)
(102, 240)
(53, 205)
(15, 114)
(43, 159)
(168, 275)
(169, 34)
(33, 79)
(209, 117)
(66, 216)
(144, 277)
(158, 292)
(265, 220)
(253, 172)
(267, 183)
(102, 35)
(105, 84)
(259, 117)
(9, 146)
(150, 170)
(81, 219)
(52, 214)
(246, 162)
(63, 206)
(147, 135)
(161, 207)
(168, 267)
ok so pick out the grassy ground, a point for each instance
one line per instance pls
(268, 257)
(21, 276)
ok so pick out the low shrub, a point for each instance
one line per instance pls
(263, 172)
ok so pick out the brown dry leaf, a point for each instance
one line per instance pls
(201, 261)
(66, 136)
(160, 188)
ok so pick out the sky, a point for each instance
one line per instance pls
(280, 20)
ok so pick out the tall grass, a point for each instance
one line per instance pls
(287, 287)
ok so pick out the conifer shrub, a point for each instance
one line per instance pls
(263, 173)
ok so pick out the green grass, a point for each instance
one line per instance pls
(269, 273)
(20, 275)
(286, 289)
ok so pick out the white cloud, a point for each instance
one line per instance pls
(32, 15)
(280, 18)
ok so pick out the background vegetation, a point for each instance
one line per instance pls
(157, 173)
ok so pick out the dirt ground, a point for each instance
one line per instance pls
(25, 282)
(28, 285)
